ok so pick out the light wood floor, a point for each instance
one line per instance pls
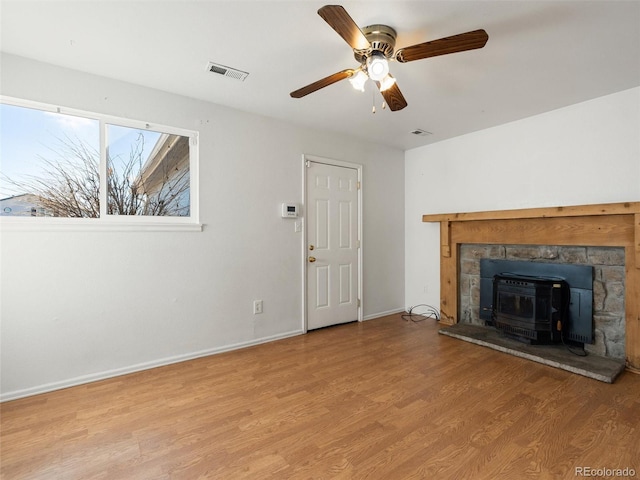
(385, 399)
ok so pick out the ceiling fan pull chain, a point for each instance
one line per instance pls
(373, 100)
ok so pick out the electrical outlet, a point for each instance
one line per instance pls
(257, 307)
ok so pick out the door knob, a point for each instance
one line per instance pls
(312, 259)
(311, 247)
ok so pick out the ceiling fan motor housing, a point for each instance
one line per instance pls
(382, 39)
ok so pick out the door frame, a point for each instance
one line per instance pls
(336, 163)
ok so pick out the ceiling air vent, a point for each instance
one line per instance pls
(419, 131)
(227, 71)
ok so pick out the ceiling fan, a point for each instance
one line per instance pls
(373, 47)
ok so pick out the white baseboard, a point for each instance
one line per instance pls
(94, 377)
(383, 314)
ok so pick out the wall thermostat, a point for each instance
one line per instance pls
(289, 210)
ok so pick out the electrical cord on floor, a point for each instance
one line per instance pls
(430, 312)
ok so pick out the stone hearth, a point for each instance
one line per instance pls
(593, 366)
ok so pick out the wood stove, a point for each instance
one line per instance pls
(531, 309)
(536, 302)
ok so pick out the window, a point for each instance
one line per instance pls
(147, 172)
(68, 164)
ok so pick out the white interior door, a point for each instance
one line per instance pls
(332, 244)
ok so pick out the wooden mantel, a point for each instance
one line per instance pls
(610, 225)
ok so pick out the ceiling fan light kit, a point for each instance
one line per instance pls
(358, 80)
(386, 83)
(373, 47)
(377, 66)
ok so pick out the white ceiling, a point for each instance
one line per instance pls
(541, 55)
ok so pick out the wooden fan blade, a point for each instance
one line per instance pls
(443, 46)
(325, 82)
(394, 98)
(338, 19)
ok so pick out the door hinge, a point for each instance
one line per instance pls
(357, 243)
(358, 185)
(359, 303)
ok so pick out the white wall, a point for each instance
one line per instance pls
(78, 305)
(587, 153)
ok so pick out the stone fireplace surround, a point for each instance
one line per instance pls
(603, 225)
(608, 282)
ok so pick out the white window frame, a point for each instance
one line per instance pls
(114, 222)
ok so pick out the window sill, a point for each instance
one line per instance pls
(93, 225)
